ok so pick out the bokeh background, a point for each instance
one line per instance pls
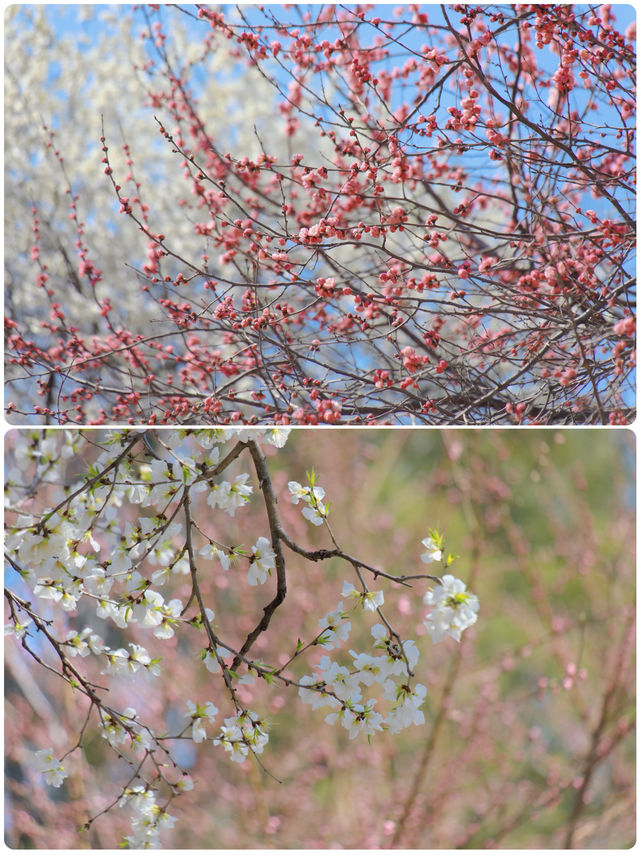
(529, 739)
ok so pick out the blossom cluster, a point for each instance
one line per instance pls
(453, 609)
(242, 734)
(340, 687)
(76, 550)
(312, 496)
(148, 819)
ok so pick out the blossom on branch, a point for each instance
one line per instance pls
(52, 769)
(368, 600)
(262, 561)
(452, 609)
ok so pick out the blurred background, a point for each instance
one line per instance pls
(529, 739)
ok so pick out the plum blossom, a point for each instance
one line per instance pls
(230, 737)
(335, 628)
(277, 436)
(315, 511)
(140, 737)
(407, 712)
(227, 558)
(200, 714)
(262, 561)
(452, 609)
(154, 613)
(19, 627)
(241, 734)
(211, 658)
(121, 614)
(397, 663)
(230, 496)
(371, 668)
(299, 492)
(310, 696)
(84, 643)
(53, 770)
(368, 600)
(127, 663)
(345, 685)
(112, 731)
(148, 818)
(356, 719)
(98, 582)
(186, 783)
(433, 545)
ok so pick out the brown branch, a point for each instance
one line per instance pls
(277, 534)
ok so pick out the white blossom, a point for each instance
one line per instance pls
(315, 698)
(262, 561)
(277, 436)
(371, 668)
(344, 684)
(240, 734)
(154, 612)
(77, 644)
(433, 545)
(335, 628)
(315, 511)
(53, 770)
(19, 627)
(200, 714)
(368, 600)
(230, 496)
(112, 730)
(185, 783)
(407, 712)
(452, 609)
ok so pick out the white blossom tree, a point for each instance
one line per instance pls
(131, 541)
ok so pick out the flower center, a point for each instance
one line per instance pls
(457, 599)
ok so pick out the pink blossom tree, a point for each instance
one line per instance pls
(330, 215)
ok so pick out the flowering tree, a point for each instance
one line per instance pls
(341, 215)
(139, 517)
(172, 623)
